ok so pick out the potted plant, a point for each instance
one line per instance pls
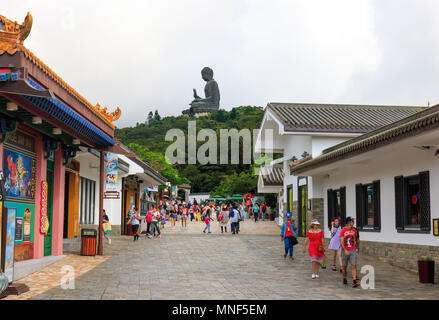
(426, 270)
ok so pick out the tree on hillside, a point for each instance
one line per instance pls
(150, 117)
(204, 178)
(157, 116)
(233, 114)
(159, 162)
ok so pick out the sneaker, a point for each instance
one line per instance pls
(209, 232)
(109, 241)
(317, 276)
(204, 231)
(313, 276)
(292, 258)
(285, 256)
(355, 284)
(345, 282)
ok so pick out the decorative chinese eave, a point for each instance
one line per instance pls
(12, 36)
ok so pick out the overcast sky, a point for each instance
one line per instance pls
(147, 55)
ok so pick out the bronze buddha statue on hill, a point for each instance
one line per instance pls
(211, 90)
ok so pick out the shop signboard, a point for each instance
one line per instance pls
(10, 243)
(111, 162)
(19, 175)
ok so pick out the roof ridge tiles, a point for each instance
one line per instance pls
(337, 117)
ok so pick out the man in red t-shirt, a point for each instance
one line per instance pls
(348, 240)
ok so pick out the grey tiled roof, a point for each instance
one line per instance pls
(417, 123)
(272, 175)
(338, 117)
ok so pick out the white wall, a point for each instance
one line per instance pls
(199, 197)
(89, 169)
(384, 166)
(320, 143)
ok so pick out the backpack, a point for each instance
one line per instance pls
(232, 214)
(220, 216)
(149, 217)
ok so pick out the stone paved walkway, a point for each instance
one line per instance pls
(192, 265)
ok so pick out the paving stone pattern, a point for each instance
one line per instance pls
(191, 265)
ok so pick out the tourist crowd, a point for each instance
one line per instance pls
(344, 245)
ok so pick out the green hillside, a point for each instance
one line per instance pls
(148, 141)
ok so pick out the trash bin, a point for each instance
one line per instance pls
(88, 238)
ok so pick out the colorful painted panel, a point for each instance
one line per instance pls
(20, 171)
(10, 244)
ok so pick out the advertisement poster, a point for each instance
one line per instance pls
(18, 229)
(19, 175)
(10, 244)
(111, 162)
(27, 225)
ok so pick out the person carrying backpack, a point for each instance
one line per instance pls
(288, 235)
(233, 214)
(224, 218)
(207, 222)
(263, 211)
(135, 222)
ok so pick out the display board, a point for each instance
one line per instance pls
(10, 243)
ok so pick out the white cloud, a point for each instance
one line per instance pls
(147, 55)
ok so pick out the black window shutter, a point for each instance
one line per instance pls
(376, 205)
(330, 203)
(399, 203)
(343, 204)
(424, 178)
(359, 205)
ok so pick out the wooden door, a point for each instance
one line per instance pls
(73, 209)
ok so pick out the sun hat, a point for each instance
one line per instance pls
(315, 221)
(288, 215)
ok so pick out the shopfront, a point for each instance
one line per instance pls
(19, 169)
(43, 123)
(130, 198)
(148, 199)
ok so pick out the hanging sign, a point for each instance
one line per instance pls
(111, 162)
(44, 218)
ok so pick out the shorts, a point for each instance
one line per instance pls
(351, 258)
(184, 216)
(173, 216)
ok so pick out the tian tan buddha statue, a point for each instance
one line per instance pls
(211, 91)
